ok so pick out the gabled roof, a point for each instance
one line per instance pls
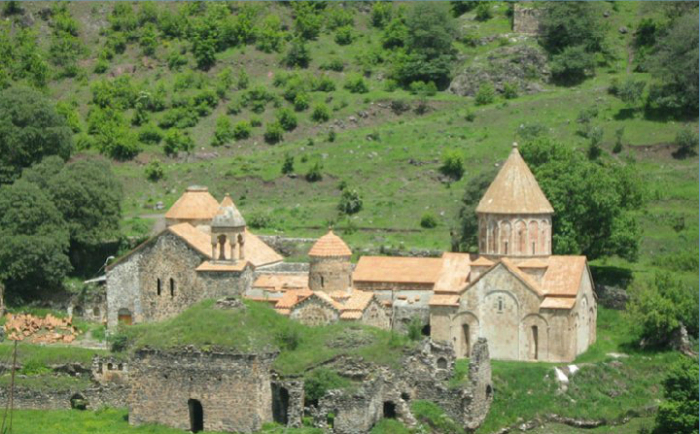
(222, 266)
(454, 272)
(281, 282)
(258, 252)
(444, 300)
(396, 269)
(330, 245)
(514, 190)
(195, 204)
(193, 236)
(563, 275)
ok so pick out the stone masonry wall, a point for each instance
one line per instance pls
(330, 274)
(526, 20)
(234, 390)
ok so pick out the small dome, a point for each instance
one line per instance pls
(330, 245)
(228, 217)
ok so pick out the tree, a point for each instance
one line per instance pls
(679, 413)
(452, 165)
(687, 141)
(658, 308)
(592, 200)
(30, 129)
(572, 32)
(381, 14)
(288, 165)
(298, 54)
(469, 224)
(674, 65)
(350, 202)
(224, 131)
(33, 232)
(430, 32)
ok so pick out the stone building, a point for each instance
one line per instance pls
(528, 303)
(324, 295)
(191, 390)
(206, 251)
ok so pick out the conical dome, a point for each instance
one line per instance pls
(515, 190)
(195, 204)
(228, 215)
(330, 245)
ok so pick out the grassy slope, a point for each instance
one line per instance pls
(260, 328)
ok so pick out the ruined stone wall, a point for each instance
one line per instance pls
(476, 410)
(124, 290)
(526, 20)
(330, 274)
(287, 401)
(234, 390)
(90, 305)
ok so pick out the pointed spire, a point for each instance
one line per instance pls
(514, 190)
(228, 215)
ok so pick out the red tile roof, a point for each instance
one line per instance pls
(330, 245)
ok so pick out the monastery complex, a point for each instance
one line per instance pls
(526, 302)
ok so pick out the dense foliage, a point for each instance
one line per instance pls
(30, 129)
(679, 413)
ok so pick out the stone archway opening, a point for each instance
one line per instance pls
(124, 316)
(389, 410)
(425, 331)
(196, 415)
(78, 402)
(280, 404)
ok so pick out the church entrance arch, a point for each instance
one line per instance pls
(500, 323)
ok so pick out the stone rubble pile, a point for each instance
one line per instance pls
(47, 330)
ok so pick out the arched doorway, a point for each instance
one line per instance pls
(124, 316)
(196, 415)
(280, 404)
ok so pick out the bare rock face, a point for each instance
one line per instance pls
(611, 297)
(522, 65)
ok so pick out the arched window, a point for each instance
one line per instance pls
(442, 363)
(172, 287)
(96, 311)
(241, 242)
(124, 316)
(322, 282)
(159, 286)
(222, 247)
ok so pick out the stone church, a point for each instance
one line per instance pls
(527, 303)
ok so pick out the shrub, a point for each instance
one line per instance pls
(356, 84)
(243, 80)
(224, 131)
(422, 88)
(259, 220)
(350, 202)
(531, 130)
(241, 130)
(415, 326)
(255, 121)
(687, 141)
(298, 55)
(154, 171)
(320, 113)
(270, 35)
(344, 35)
(428, 221)
(469, 116)
(323, 84)
(273, 133)
(234, 107)
(485, 95)
(390, 85)
(314, 173)
(118, 342)
(116, 141)
(333, 65)
(452, 165)
(287, 119)
(510, 90)
(572, 65)
(150, 135)
(321, 380)
(679, 412)
(301, 102)
(483, 11)
(338, 17)
(288, 165)
(176, 141)
(331, 136)
(307, 22)
(619, 135)
(381, 14)
(288, 339)
(176, 60)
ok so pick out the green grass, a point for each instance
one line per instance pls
(604, 388)
(260, 328)
(45, 355)
(106, 421)
(46, 382)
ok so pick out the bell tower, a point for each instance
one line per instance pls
(228, 233)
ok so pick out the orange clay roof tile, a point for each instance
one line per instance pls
(195, 204)
(563, 275)
(454, 272)
(330, 245)
(514, 190)
(391, 269)
(222, 266)
(281, 282)
(558, 303)
(444, 300)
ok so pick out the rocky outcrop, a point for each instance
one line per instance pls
(611, 297)
(524, 66)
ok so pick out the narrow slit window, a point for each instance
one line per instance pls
(172, 287)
